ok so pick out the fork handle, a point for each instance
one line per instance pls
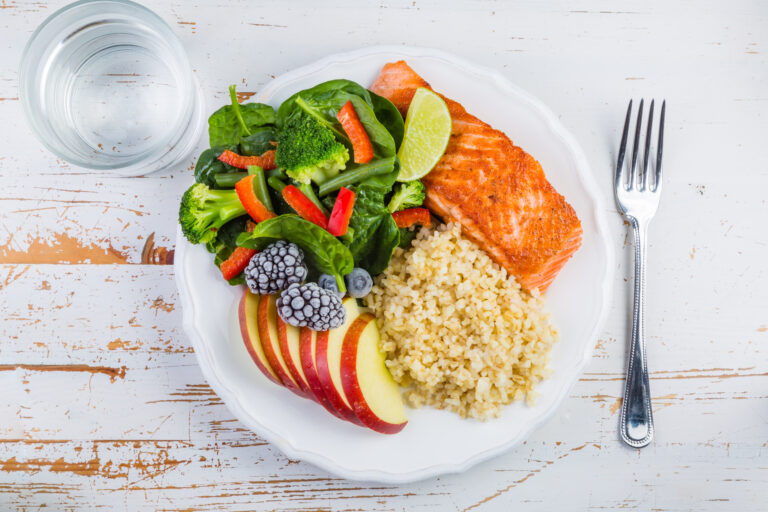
(636, 428)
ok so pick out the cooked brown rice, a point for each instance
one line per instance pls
(458, 332)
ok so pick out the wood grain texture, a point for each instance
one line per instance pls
(104, 406)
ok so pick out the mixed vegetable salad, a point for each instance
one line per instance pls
(314, 187)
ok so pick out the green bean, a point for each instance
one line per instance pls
(306, 189)
(276, 184)
(277, 172)
(365, 171)
(228, 179)
(260, 186)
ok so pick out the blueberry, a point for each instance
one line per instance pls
(328, 282)
(359, 282)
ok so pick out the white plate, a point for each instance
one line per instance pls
(434, 442)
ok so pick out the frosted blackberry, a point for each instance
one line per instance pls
(274, 269)
(310, 306)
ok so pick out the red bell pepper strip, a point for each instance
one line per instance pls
(251, 203)
(304, 206)
(265, 161)
(236, 263)
(409, 217)
(361, 144)
(342, 211)
(239, 259)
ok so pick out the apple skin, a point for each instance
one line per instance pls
(249, 341)
(308, 365)
(298, 377)
(324, 375)
(271, 346)
(349, 379)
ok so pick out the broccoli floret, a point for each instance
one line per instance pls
(407, 195)
(204, 210)
(308, 151)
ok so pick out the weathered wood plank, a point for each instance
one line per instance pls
(156, 474)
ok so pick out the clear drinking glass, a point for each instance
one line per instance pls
(106, 85)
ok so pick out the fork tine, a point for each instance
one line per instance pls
(642, 179)
(635, 147)
(660, 146)
(618, 176)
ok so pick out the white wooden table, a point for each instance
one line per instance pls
(102, 404)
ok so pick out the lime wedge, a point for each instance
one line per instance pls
(427, 130)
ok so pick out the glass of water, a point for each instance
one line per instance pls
(106, 85)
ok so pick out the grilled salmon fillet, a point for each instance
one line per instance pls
(494, 189)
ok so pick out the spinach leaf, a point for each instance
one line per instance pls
(221, 252)
(229, 232)
(322, 250)
(225, 127)
(406, 237)
(375, 233)
(209, 165)
(386, 239)
(238, 279)
(365, 220)
(329, 201)
(257, 114)
(319, 94)
(388, 115)
(259, 141)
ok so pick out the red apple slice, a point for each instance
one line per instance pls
(247, 314)
(328, 362)
(267, 319)
(288, 338)
(307, 351)
(368, 385)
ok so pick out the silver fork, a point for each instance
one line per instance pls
(637, 197)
